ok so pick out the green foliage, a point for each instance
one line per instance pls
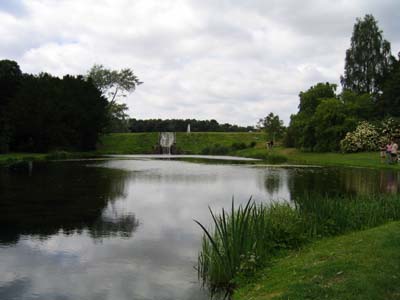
(48, 113)
(238, 146)
(42, 113)
(364, 138)
(270, 157)
(273, 126)
(10, 78)
(301, 132)
(216, 149)
(368, 59)
(180, 125)
(245, 239)
(389, 104)
(114, 85)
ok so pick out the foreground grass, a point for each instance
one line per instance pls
(358, 266)
(244, 239)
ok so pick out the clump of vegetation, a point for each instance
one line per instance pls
(238, 146)
(216, 149)
(364, 138)
(243, 240)
(272, 158)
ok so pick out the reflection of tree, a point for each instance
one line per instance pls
(272, 182)
(60, 196)
(333, 182)
(313, 181)
(122, 226)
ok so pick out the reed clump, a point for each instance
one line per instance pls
(244, 238)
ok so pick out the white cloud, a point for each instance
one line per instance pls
(234, 61)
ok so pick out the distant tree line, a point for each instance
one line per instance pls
(370, 92)
(39, 113)
(180, 125)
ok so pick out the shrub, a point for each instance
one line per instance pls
(216, 149)
(364, 138)
(252, 144)
(238, 146)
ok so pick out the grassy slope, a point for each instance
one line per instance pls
(195, 142)
(128, 143)
(358, 266)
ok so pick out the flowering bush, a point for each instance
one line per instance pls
(390, 128)
(364, 138)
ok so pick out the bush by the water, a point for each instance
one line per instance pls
(272, 158)
(364, 138)
(245, 238)
(216, 149)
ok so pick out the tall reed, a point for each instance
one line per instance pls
(245, 238)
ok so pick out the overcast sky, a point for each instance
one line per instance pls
(234, 61)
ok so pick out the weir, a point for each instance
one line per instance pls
(166, 141)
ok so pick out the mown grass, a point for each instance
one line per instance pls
(245, 239)
(196, 142)
(363, 265)
(295, 156)
(128, 143)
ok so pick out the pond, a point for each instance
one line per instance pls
(124, 229)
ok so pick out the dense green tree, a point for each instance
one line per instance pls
(10, 78)
(48, 113)
(310, 99)
(368, 60)
(301, 132)
(389, 104)
(273, 126)
(180, 125)
(332, 121)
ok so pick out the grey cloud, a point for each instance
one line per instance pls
(231, 60)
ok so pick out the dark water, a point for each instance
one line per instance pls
(123, 229)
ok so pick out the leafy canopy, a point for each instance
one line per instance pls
(368, 60)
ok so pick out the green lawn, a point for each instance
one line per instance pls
(359, 266)
(195, 142)
(128, 143)
(364, 159)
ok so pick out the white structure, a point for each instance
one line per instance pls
(167, 139)
(188, 128)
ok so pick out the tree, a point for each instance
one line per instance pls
(272, 125)
(114, 85)
(390, 101)
(10, 78)
(301, 131)
(368, 60)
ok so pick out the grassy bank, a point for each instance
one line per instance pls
(246, 238)
(362, 265)
(197, 142)
(193, 143)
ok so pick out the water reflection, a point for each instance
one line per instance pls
(124, 229)
(47, 198)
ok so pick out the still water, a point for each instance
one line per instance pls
(123, 229)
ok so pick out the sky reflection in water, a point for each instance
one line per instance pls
(123, 229)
